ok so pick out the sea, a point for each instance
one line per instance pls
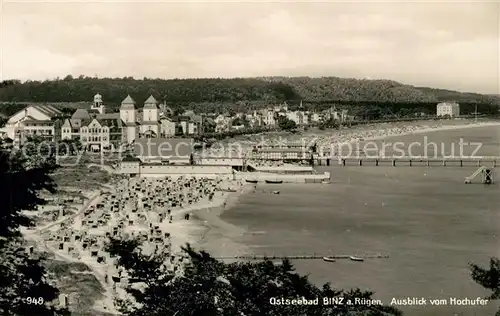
(429, 223)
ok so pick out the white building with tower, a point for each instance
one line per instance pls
(98, 130)
(95, 129)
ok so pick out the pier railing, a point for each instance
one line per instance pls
(303, 257)
(417, 161)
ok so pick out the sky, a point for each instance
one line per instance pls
(453, 45)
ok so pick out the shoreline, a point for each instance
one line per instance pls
(208, 219)
(435, 129)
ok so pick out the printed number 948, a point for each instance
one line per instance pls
(33, 300)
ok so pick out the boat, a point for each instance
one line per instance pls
(276, 192)
(274, 181)
(328, 259)
(251, 181)
(353, 258)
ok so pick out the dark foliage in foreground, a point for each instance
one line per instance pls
(24, 289)
(19, 188)
(489, 278)
(211, 287)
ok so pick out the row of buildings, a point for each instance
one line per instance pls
(99, 130)
(271, 116)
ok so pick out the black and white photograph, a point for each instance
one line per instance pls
(249, 158)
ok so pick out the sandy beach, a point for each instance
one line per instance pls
(205, 217)
(209, 218)
(438, 128)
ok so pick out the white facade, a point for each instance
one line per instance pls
(315, 117)
(448, 108)
(299, 117)
(188, 128)
(237, 127)
(34, 120)
(95, 136)
(167, 127)
(67, 132)
(269, 119)
(255, 119)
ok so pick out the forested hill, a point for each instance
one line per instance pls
(265, 89)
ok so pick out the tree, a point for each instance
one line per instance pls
(286, 124)
(237, 122)
(38, 152)
(206, 286)
(69, 147)
(23, 278)
(330, 123)
(488, 278)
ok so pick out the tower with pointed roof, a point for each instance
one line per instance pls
(98, 104)
(128, 115)
(128, 112)
(150, 125)
(150, 110)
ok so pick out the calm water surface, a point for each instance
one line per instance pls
(427, 220)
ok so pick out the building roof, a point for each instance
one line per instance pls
(67, 123)
(163, 147)
(84, 122)
(131, 159)
(113, 124)
(28, 118)
(48, 110)
(130, 123)
(80, 114)
(106, 116)
(128, 103)
(285, 150)
(150, 103)
(37, 121)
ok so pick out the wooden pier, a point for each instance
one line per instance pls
(303, 257)
(422, 162)
(296, 155)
